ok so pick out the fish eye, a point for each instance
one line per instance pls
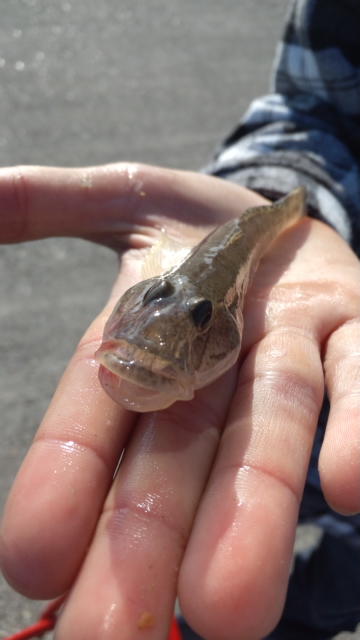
(201, 312)
(161, 289)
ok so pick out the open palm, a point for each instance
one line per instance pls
(205, 502)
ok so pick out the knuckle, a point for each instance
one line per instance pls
(130, 514)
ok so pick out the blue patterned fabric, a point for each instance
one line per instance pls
(307, 130)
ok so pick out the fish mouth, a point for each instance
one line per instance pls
(143, 368)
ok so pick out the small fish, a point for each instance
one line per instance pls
(179, 330)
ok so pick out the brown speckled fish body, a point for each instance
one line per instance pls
(179, 331)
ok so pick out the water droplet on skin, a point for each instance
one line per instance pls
(86, 181)
(109, 618)
(131, 171)
(278, 353)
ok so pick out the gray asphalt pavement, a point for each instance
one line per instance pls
(81, 83)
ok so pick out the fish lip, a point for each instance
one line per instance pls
(134, 364)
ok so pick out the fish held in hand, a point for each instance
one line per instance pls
(179, 330)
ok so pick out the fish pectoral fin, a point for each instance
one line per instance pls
(163, 256)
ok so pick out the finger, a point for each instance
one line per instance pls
(339, 457)
(128, 581)
(111, 204)
(59, 491)
(235, 571)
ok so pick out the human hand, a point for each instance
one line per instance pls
(206, 498)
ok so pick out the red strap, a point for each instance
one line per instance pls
(45, 623)
(48, 618)
(174, 630)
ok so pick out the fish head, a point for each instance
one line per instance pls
(163, 340)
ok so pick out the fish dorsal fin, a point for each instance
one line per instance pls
(163, 256)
